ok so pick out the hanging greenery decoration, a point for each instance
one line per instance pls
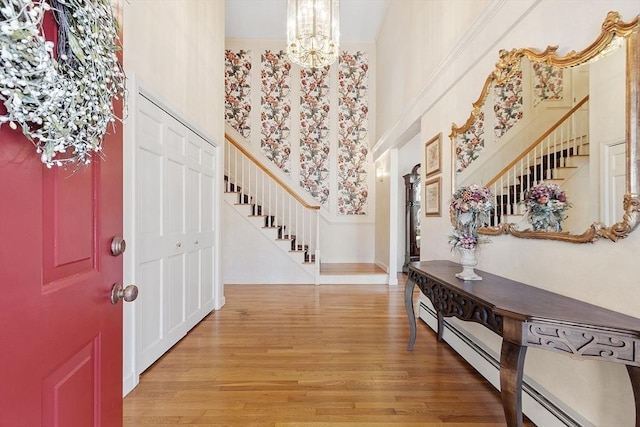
(62, 101)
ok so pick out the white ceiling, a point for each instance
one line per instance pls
(266, 19)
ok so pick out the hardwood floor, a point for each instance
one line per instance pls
(301, 355)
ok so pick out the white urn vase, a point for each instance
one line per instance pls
(468, 261)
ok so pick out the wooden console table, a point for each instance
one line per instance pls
(526, 316)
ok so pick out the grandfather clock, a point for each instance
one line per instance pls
(412, 217)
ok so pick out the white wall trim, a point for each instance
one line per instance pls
(130, 377)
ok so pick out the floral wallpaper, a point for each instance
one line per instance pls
(470, 143)
(237, 90)
(330, 168)
(314, 132)
(353, 141)
(275, 129)
(548, 82)
(508, 104)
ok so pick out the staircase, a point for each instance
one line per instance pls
(554, 168)
(284, 217)
(554, 157)
(267, 222)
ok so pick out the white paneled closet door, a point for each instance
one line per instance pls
(199, 244)
(175, 185)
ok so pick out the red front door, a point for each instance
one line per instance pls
(60, 336)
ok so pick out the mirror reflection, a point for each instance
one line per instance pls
(548, 136)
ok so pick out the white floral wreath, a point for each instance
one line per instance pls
(63, 102)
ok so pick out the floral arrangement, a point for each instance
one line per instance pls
(62, 102)
(544, 206)
(469, 208)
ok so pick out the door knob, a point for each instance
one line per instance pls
(118, 246)
(130, 293)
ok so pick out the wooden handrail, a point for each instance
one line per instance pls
(281, 183)
(537, 141)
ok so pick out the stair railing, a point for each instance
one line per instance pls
(538, 162)
(294, 218)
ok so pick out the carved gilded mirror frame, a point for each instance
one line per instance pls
(613, 29)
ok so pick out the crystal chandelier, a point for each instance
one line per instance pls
(313, 32)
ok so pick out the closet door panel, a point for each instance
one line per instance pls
(194, 285)
(175, 202)
(174, 297)
(207, 278)
(175, 190)
(149, 177)
(151, 343)
(150, 172)
(194, 218)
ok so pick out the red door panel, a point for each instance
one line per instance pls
(60, 336)
(68, 249)
(70, 393)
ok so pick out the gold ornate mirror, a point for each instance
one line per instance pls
(561, 133)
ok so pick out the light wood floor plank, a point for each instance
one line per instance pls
(316, 356)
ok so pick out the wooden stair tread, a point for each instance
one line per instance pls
(350, 268)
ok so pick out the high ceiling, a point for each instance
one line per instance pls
(266, 19)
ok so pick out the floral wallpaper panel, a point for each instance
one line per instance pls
(275, 119)
(508, 105)
(353, 141)
(237, 90)
(314, 132)
(548, 82)
(470, 144)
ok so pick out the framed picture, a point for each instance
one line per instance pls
(433, 155)
(432, 197)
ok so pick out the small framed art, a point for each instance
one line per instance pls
(433, 155)
(432, 197)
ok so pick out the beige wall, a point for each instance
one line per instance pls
(414, 38)
(175, 49)
(417, 82)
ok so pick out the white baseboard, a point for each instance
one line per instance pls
(540, 406)
(129, 382)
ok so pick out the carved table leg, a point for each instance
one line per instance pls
(634, 375)
(408, 304)
(511, 367)
(440, 325)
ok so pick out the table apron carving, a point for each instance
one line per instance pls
(584, 342)
(453, 304)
